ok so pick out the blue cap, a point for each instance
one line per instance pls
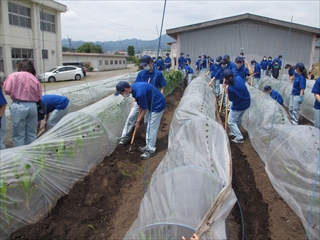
(145, 60)
(222, 62)
(239, 59)
(218, 59)
(226, 57)
(227, 73)
(182, 53)
(121, 87)
(267, 88)
(167, 54)
(300, 66)
(253, 61)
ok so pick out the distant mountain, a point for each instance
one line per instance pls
(112, 46)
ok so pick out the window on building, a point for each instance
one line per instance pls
(47, 22)
(100, 62)
(111, 62)
(124, 61)
(44, 54)
(21, 53)
(105, 62)
(115, 62)
(19, 15)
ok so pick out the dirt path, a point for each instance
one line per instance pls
(106, 203)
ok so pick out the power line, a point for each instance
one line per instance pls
(112, 23)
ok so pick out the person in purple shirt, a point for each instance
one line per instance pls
(25, 91)
(274, 94)
(316, 91)
(296, 98)
(3, 105)
(152, 104)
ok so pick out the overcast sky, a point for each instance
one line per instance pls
(105, 20)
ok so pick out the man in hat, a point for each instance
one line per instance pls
(151, 75)
(256, 73)
(152, 104)
(167, 62)
(264, 65)
(198, 65)
(296, 98)
(229, 64)
(241, 70)
(279, 60)
(54, 107)
(274, 94)
(239, 95)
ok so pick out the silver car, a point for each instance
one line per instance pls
(61, 73)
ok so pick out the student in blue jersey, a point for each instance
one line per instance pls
(214, 69)
(204, 63)
(296, 98)
(54, 108)
(239, 95)
(316, 108)
(269, 66)
(188, 58)
(3, 105)
(198, 65)
(152, 104)
(167, 62)
(256, 73)
(274, 94)
(291, 71)
(241, 69)
(210, 62)
(264, 65)
(279, 59)
(151, 75)
(189, 71)
(160, 64)
(181, 63)
(229, 64)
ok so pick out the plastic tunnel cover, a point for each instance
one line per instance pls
(291, 155)
(190, 177)
(40, 173)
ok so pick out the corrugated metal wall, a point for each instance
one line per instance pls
(257, 40)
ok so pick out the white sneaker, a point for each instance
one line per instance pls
(237, 141)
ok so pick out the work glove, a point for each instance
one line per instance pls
(300, 99)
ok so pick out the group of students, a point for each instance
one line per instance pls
(28, 106)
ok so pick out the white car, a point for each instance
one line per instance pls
(61, 73)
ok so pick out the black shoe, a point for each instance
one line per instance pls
(142, 149)
(147, 155)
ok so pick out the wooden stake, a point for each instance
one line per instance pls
(221, 100)
(226, 116)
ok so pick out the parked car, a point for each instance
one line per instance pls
(61, 73)
(77, 64)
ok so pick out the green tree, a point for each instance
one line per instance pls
(130, 50)
(90, 48)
